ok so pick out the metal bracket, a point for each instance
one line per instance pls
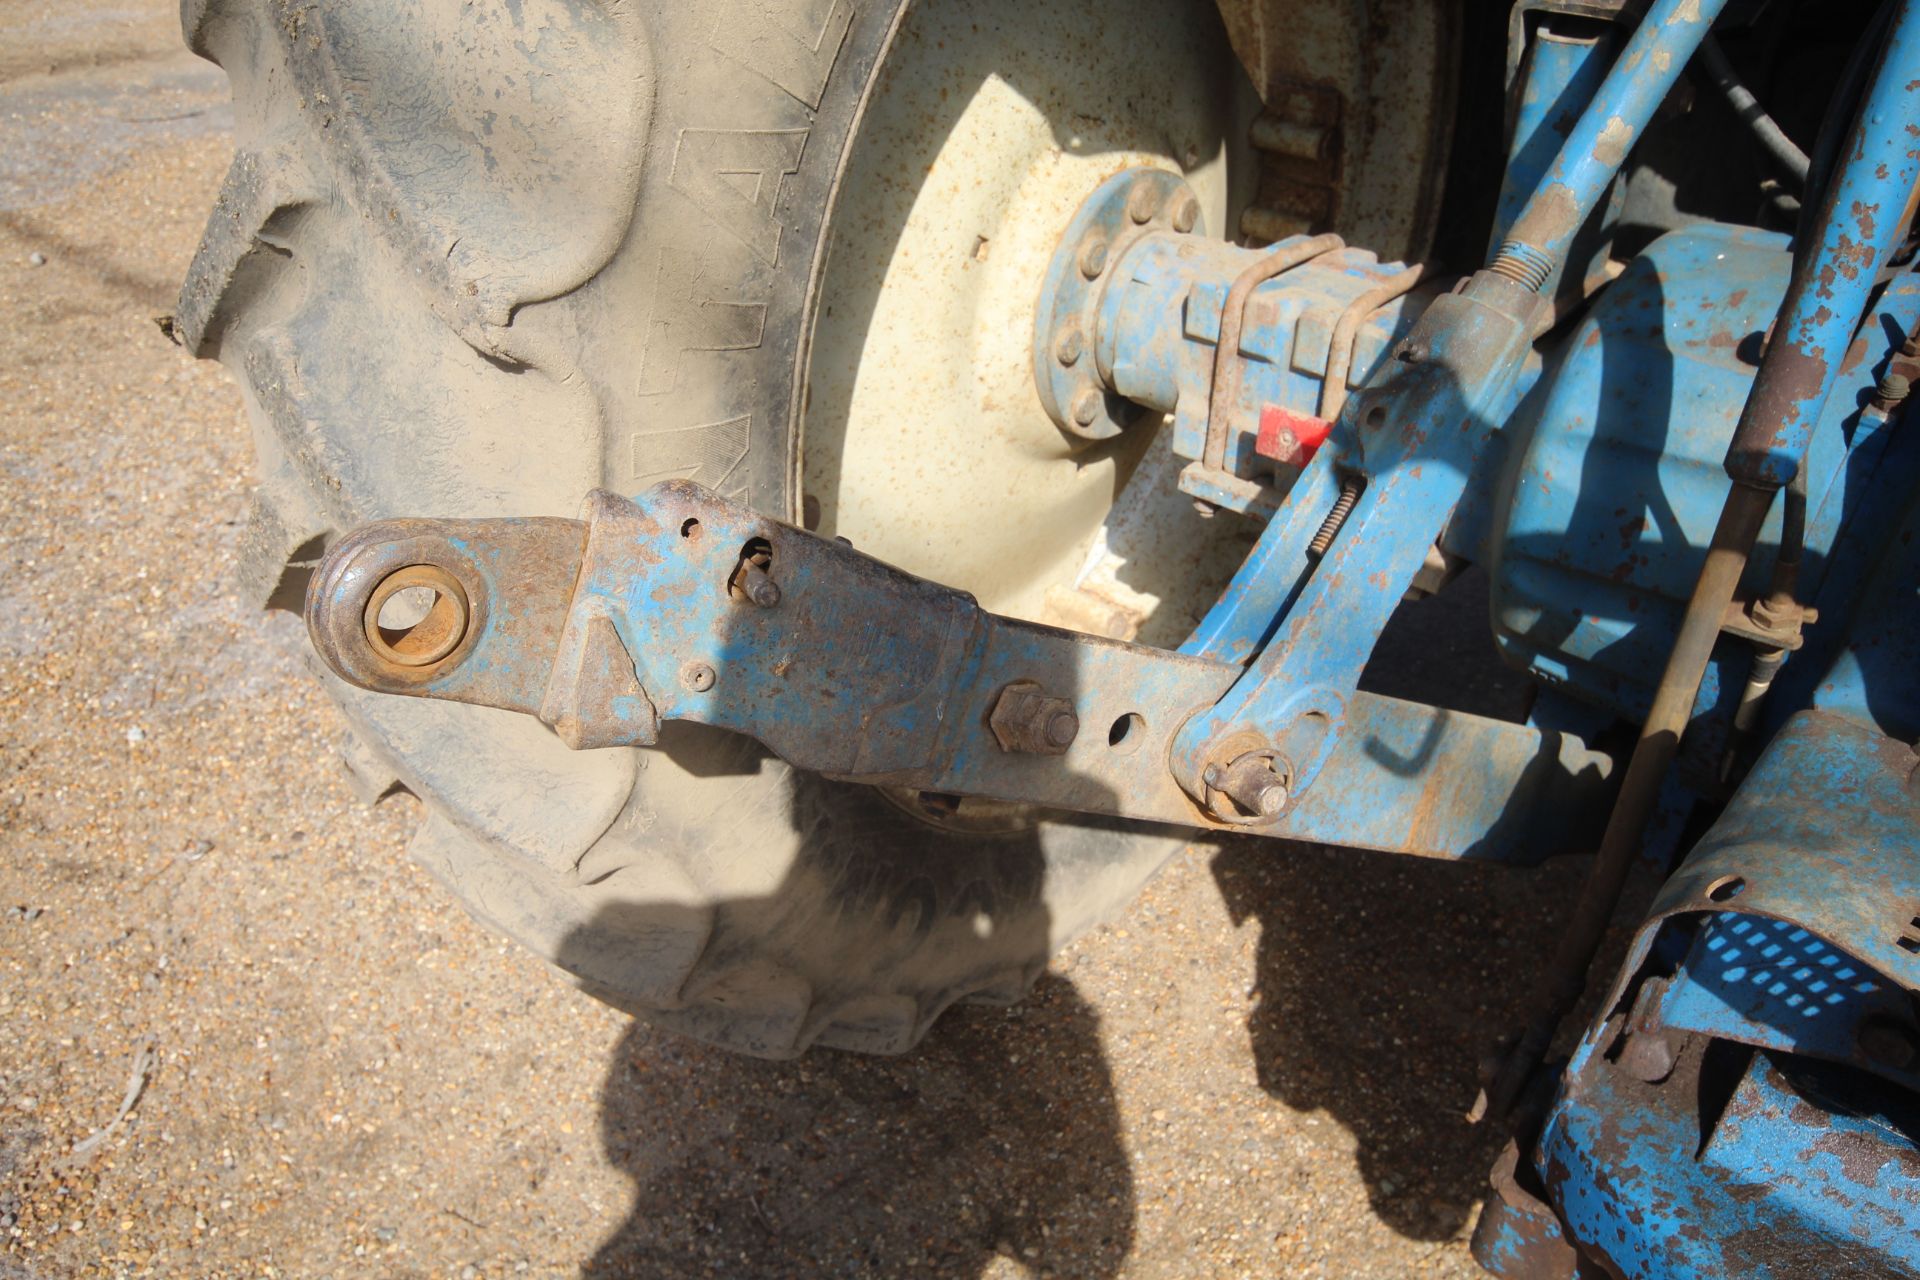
(685, 606)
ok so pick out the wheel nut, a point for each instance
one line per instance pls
(1093, 256)
(1067, 346)
(1142, 200)
(1186, 212)
(697, 676)
(1086, 406)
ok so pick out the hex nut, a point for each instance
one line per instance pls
(1028, 720)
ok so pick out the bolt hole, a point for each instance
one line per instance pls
(689, 529)
(1127, 733)
(416, 616)
(1376, 415)
(405, 610)
(750, 571)
(1726, 888)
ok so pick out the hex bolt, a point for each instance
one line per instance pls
(1028, 720)
(1893, 389)
(1142, 200)
(1062, 728)
(698, 676)
(1068, 344)
(1087, 405)
(1330, 527)
(1186, 211)
(1093, 256)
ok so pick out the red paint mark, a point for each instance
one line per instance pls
(1286, 436)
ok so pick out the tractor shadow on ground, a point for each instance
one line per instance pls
(1383, 980)
(997, 1135)
(1380, 982)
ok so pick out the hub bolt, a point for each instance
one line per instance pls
(1186, 211)
(1142, 200)
(1093, 256)
(1087, 405)
(1067, 346)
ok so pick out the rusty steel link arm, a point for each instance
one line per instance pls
(684, 606)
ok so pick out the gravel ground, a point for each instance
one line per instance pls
(1259, 1070)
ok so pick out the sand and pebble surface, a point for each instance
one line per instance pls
(241, 1035)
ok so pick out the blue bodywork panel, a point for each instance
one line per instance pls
(1774, 1133)
(1617, 480)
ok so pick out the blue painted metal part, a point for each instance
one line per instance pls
(1134, 206)
(1559, 76)
(1748, 1105)
(1616, 480)
(1143, 331)
(854, 669)
(1863, 214)
(1574, 185)
(1859, 660)
(1771, 983)
(1160, 322)
(1875, 678)
(1417, 438)
(1799, 1177)
(1418, 433)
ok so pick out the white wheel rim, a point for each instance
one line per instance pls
(924, 441)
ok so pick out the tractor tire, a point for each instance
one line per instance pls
(476, 262)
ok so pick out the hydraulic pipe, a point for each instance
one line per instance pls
(1862, 214)
(1771, 137)
(1233, 314)
(1333, 389)
(1572, 188)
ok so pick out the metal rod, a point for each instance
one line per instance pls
(1333, 391)
(1771, 137)
(1862, 214)
(1562, 981)
(1639, 80)
(1233, 312)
